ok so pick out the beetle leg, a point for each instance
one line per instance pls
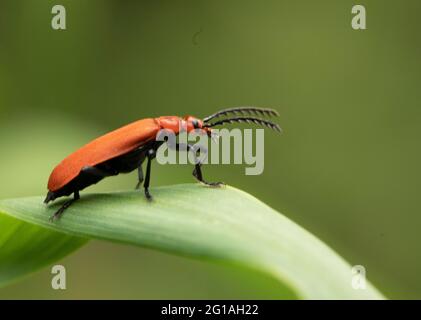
(65, 205)
(197, 172)
(150, 155)
(140, 176)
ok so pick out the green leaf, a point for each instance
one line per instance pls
(223, 224)
(25, 248)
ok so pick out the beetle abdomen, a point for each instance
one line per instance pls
(80, 182)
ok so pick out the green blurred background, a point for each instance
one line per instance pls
(346, 168)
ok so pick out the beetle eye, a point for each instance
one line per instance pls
(195, 124)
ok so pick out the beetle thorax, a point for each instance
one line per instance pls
(172, 123)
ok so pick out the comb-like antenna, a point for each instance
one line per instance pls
(262, 122)
(244, 110)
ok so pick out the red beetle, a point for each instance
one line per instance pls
(124, 150)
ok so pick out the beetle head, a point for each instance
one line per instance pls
(193, 123)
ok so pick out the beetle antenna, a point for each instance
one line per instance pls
(244, 110)
(258, 121)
